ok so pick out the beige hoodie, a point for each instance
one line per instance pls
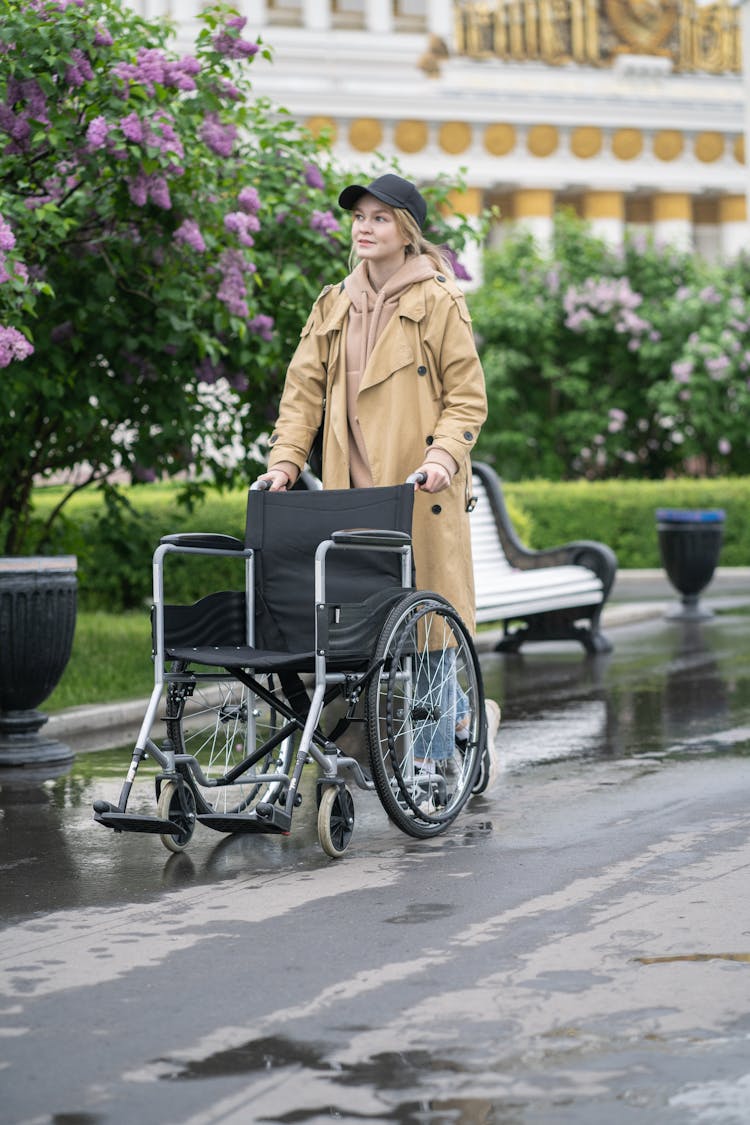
(369, 314)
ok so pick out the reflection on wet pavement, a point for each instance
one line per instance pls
(667, 690)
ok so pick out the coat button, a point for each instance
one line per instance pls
(436, 509)
(273, 438)
(421, 370)
(468, 435)
(429, 439)
(439, 277)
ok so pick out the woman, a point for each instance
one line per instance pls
(389, 355)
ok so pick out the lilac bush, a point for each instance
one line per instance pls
(163, 233)
(632, 363)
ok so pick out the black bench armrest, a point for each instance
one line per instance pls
(595, 556)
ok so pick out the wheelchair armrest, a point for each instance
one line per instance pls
(205, 539)
(371, 537)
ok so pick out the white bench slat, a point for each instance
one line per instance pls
(502, 591)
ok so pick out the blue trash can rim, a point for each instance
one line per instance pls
(690, 515)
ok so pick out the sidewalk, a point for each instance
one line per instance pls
(638, 595)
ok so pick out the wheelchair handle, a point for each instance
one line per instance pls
(260, 486)
(416, 478)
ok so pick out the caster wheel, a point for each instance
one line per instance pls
(335, 820)
(171, 808)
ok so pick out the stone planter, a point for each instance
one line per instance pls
(690, 542)
(37, 623)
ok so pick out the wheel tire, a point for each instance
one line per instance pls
(335, 820)
(425, 654)
(171, 807)
(210, 721)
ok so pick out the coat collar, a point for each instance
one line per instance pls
(412, 306)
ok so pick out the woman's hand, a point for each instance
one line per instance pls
(278, 480)
(436, 476)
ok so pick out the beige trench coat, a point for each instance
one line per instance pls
(423, 384)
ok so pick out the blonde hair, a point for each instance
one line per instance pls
(416, 243)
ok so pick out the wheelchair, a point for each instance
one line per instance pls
(244, 680)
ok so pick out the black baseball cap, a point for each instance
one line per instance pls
(390, 189)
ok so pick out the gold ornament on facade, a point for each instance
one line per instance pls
(320, 125)
(668, 144)
(627, 144)
(709, 147)
(586, 141)
(696, 36)
(542, 140)
(643, 25)
(454, 137)
(365, 134)
(499, 139)
(410, 136)
(739, 150)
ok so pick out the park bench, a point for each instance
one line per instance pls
(552, 594)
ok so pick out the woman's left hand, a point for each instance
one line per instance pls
(437, 477)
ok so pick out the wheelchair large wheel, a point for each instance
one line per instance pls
(221, 724)
(425, 715)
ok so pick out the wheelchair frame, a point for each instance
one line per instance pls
(419, 806)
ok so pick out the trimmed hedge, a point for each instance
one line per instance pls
(622, 513)
(114, 545)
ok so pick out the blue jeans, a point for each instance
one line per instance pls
(440, 704)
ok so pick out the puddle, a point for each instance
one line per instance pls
(671, 958)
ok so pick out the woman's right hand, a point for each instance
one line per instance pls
(278, 480)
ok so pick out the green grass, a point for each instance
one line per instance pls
(111, 661)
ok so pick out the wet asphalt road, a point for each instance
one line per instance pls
(575, 950)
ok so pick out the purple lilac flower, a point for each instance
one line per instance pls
(682, 370)
(227, 89)
(96, 134)
(710, 295)
(152, 68)
(219, 138)
(718, 367)
(7, 237)
(164, 137)
(232, 46)
(724, 446)
(313, 177)
(325, 222)
(4, 275)
(13, 345)
(102, 38)
(262, 326)
(79, 70)
(132, 129)
(138, 189)
(239, 381)
(249, 200)
(158, 192)
(188, 232)
(242, 224)
(233, 291)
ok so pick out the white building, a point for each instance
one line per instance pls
(631, 111)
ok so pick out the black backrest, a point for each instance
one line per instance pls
(285, 528)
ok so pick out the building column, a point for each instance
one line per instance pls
(440, 19)
(532, 208)
(604, 211)
(469, 203)
(316, 15)
(673, 219)
(734, 230)
(379, 16)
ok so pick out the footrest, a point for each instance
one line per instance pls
(132, 822)
(273, 820)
